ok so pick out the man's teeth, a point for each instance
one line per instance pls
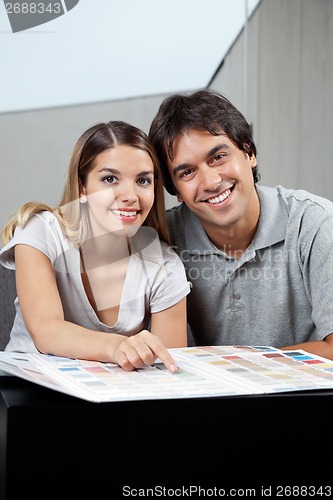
(220, 198)
(125, 213)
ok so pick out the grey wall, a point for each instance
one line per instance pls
(290, 104)
(290, 91)
(36, 145)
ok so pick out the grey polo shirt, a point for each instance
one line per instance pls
(280, 292)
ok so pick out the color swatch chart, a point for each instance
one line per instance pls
(273, 370)
(202, 372)
(109, 382)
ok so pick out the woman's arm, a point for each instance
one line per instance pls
(170, 325)
(168, 329)
(43, 315)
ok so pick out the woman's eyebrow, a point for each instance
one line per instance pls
(114, 171)
(109, 170)
(145, 172)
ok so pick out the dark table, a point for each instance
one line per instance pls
(54, 446)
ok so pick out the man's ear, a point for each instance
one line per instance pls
(253, 161)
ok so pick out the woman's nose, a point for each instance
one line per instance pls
(127, 193)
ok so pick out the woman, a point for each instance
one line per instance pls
(94, 273)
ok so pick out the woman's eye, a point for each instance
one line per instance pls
(109, 179)
(142, 181)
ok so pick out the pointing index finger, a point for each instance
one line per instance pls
(167, 360)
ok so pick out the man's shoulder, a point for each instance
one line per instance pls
(178, 220)
(176, 214)
(298, 200)
(303, 200)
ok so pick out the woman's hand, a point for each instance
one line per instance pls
(141, 350)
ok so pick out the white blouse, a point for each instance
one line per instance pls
(155, 279)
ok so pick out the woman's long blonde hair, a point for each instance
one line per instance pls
(69, 211)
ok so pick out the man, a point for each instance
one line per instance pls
(260, 259)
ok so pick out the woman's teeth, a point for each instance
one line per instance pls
(125, 213)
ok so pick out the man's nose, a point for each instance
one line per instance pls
(210, 178)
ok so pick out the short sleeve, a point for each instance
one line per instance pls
(170, 284)
(39, 232)
(317, 268)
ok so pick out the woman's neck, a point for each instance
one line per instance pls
(104, 249)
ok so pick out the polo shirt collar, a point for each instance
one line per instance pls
(271, 228)
(273, 218)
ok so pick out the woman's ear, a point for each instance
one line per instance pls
(82, 193)
(82, 189)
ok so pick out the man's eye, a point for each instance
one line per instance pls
(218, 157)
(185, 173)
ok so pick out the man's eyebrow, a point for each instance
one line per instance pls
(179, 168)
(215, 149)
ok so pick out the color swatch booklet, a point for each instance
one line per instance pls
(202, 372)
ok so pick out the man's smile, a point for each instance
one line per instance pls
(214, 200)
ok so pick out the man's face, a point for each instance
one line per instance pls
(213, 178)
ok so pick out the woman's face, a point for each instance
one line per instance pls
(119, 190)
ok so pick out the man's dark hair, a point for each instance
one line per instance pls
(202, 110)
